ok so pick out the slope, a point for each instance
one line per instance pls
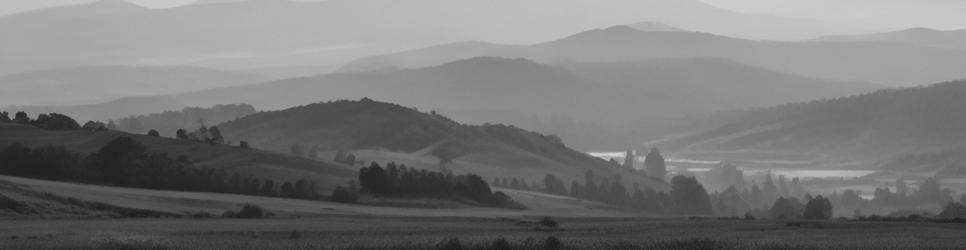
(568, 101)
(394, 133)
(913, 129)
(259, 163)
(96, 84)
(880, 62)
(950, 39)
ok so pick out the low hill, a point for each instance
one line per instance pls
(528, 94)
(96, 84)
(951, 39)
(389, 132)
(263, 164)
(887, 63)
(913, 129)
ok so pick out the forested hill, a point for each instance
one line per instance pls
(918, 124)
(396, 130)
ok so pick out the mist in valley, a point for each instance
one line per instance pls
(468, 124)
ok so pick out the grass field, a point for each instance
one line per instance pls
(386, 232)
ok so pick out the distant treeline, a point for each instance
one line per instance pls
(401, 181)
(168, 122)
(127, 163)
(52, 121)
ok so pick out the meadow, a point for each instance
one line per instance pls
(388, 232)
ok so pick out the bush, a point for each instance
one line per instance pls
(548, 222)
(552, 243)
(249, 211)
(500, 244)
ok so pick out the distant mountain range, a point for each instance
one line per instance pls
(912, 129)
(950, 39)
(880, 62)
(377, 130)
(270, 34)
(582, 99)
(97, 84)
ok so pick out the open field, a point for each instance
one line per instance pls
(174, 202)
(383, 232)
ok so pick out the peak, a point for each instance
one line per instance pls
(655, 27)
(486, 60)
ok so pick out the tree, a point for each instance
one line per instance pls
(342, 195)
(902, 190)
(819, 208)
(314, 151)
(953, 210)
(931, 191)
(4, 116)
(94, 126)
(244, 145)
(181, 134)
(787, 208)
(111, 125)
(689, 196)
(154, 133)
(216, 137)
(118, 158)
(629, 159)
(575, 190)
(655, 165)
(55, 121)
(288, 190)
(21, 117)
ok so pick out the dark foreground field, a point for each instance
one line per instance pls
(471, 233)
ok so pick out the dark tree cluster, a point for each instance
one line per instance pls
(170, 121)
(204, 134)
(616, 193)
(52, 121)
(929, 192)
(126, 162)
(401, 181)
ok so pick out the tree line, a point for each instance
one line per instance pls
(126, 162)
(402, 181)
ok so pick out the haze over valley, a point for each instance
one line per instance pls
(537, 124)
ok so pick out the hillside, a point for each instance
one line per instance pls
(231, 35)
(914, 129)
(527, 94)
(259, 163)
(879, 62)
(97, 84)
(167, 123)
(951, 39)
(388, 132)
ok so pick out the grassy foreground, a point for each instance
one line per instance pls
(377, 232)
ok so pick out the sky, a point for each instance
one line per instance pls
(875, 14)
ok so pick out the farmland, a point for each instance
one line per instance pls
(385, 232)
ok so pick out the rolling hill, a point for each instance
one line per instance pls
(263, 164)
(97, 84)
(950, 39)
(389, 132)
(879, 62)
(914, 129)
(525, 93)
(233, 35)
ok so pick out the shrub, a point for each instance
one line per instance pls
(548, 222)
(342, 195)
(500, 244)
(249, 211)
(551, 243)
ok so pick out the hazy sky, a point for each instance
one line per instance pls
(879, 14)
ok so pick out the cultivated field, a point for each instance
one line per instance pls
(384, 232)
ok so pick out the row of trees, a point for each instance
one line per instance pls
(52, 121)
(126, 162)
(401, 181)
